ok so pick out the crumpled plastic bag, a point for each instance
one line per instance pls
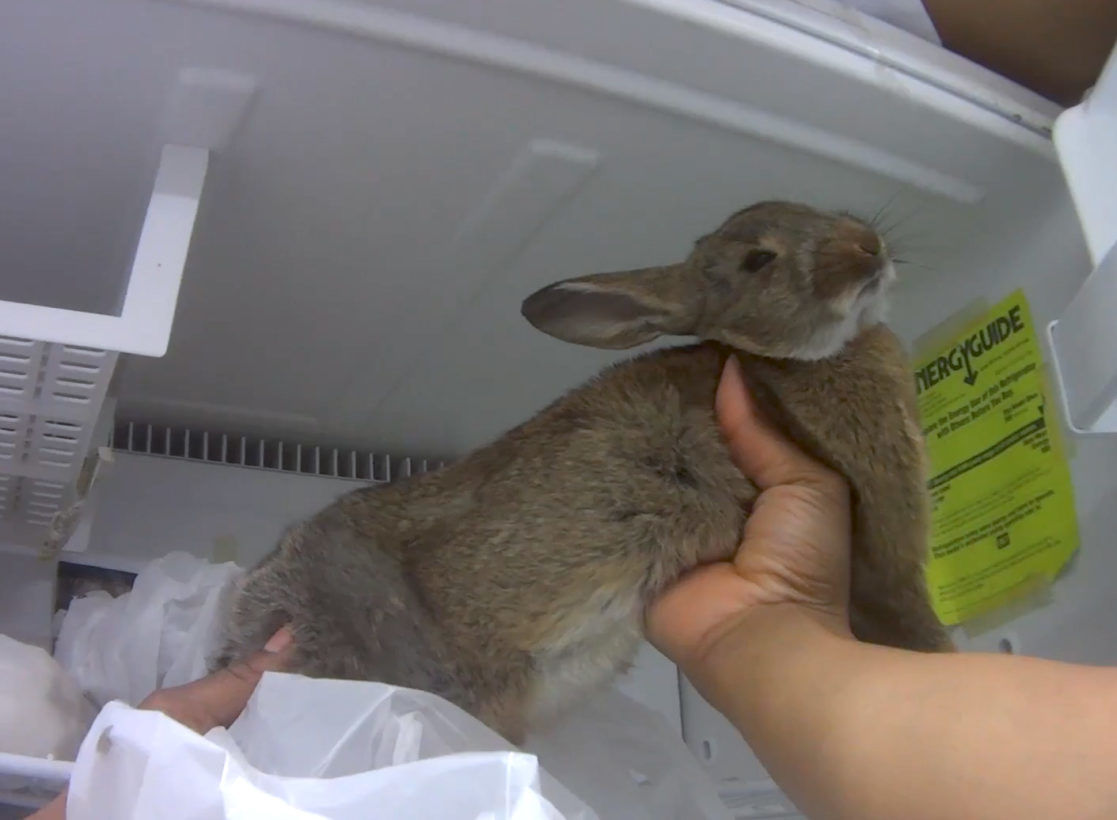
(308, 748)
(158, 635)
(617, 756)
(42, 711)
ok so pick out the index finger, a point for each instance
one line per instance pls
(760, 451)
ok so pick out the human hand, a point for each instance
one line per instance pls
(219, 698)
(201, 705)
(795, 552)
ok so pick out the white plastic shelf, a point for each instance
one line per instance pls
(50, 399)
(144, 323)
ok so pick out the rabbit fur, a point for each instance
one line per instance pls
(514, 581)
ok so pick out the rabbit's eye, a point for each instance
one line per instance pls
(756, 259)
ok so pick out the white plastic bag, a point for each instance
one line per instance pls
(42, 711)
(157, 635)
(373, 750)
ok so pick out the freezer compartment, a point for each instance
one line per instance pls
(399, 175)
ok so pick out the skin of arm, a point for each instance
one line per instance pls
(853, 730)
(1055, 47)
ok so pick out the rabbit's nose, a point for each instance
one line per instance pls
(869, 243)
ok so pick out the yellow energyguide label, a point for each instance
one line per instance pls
(1003, 515)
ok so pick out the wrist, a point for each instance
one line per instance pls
(747, 659)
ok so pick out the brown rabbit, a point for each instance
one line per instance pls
(515, 580)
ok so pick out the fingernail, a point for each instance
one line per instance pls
(279, 641)
(732, 377)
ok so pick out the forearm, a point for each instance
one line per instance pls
(860, 731)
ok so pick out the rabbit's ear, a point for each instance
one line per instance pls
(615, 310)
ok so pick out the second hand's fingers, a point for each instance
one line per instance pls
(758, 449)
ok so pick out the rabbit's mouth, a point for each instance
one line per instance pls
(884, 276)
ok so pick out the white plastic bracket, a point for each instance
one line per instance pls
(144, 323)
(1084, 339)
(1084, 346)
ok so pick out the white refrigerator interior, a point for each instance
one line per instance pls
(384, 182)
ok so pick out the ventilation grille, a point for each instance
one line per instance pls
(264, 454)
